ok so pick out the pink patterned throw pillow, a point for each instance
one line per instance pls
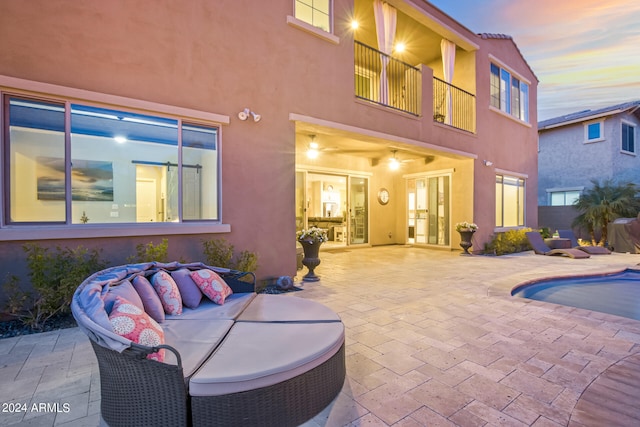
(168, 292)
(211, 285)
(131, 322)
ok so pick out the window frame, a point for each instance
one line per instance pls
(329, 36)
(329, 14)
(632, 132)
(502, 92)
(564, 194)
(600, 137)
(14, 231)
(520, 198)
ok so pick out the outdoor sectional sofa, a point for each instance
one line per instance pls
(256, 360)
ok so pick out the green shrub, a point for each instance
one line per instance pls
(508, 242)
(246, 261)
(219, 253)
(54, 278)
(150, 252)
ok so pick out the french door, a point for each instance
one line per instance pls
(428, 205)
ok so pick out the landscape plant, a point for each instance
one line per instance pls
(150, 252)
(54, 276)
(508, 242)
(603, 203)
(220, 253)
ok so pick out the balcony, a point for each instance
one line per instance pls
(387, 81)
(453, 106)
(390, 82)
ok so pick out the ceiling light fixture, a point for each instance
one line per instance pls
(120, 139)
(312, 151)
(394, 164)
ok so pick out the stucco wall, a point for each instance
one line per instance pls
(220, 57)
(566, 161)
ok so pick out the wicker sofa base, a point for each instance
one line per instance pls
(288, 403)
(126, 378)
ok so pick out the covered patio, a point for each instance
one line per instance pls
(433, 338)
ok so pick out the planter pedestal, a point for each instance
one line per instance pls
(465, 241)
(311, 259)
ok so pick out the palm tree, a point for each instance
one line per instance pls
(602, 204)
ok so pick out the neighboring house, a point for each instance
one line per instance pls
(579, 147)
(126, 122)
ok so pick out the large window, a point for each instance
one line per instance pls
(314, 12)
(77, 164)
(509, 201)
(628, 138)
(509, 94)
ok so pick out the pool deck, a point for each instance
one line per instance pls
(433, 339)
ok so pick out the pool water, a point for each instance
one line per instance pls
(616, 293)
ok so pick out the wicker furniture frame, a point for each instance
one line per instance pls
(137, 391)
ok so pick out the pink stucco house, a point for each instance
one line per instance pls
(126, 122)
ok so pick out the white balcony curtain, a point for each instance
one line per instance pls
(448, 49)
(386, 18)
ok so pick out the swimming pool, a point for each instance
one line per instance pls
(614, 293)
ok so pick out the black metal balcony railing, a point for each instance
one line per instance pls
(460, 105)
(387, 81)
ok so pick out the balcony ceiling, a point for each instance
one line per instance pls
(422, 44)
(338, 142)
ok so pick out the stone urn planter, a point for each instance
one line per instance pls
(311, 240)
(465, 241)
(466, 230)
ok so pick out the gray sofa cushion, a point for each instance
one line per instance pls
(194, 339)
(255, 355)
(210, 311)
(281, 308)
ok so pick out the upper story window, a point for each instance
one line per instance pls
(69, 163)
(594, 131)
(509, 93)
(628, 138)
(315, 12)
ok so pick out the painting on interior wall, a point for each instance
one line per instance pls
(91, 180)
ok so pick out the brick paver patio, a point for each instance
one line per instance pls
(433, 339)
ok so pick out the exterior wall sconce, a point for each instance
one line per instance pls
(244, 115)
(487, 162)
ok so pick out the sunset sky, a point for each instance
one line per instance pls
(585, 53)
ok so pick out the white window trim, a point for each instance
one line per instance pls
(564, 189)
(635, 134)
(586, 131)
(318, 32)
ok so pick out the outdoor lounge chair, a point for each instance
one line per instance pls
(540, 248)
(591, 250)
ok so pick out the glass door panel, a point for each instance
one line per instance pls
(301, 201)
(411, 211)
(421, 210)
(428, 210)
(358, 210)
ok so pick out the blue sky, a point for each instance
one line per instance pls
(586, 53)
